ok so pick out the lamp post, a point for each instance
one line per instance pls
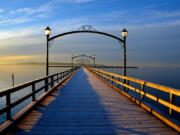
(47, 33)
(124, 34)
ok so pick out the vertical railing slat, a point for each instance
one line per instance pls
(46, 82)
(52, 81)
(142, 89)
(171, 100)
(33, 90)
(8, 103)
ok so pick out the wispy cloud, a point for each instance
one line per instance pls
(22, 19)
(164, 14)
(43, 8)
(15, 33)
(156, 6)
(74, 1)
(23, 15)
(1, 10)
(82, 1)
(22, 57)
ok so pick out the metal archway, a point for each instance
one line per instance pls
(93, 57)
(84, 29)
(83, 60)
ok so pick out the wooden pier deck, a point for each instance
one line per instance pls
(86, 105)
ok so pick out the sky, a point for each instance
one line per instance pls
(153, 30)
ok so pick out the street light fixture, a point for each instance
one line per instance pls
(124, 33)
(47, 33)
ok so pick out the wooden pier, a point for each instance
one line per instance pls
(85, 105)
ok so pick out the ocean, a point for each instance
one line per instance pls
(167, 76)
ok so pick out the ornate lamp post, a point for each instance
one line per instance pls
(47, 33)
(124, 34)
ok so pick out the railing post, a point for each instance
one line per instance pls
(127, 82)
(171, 100)
(33, 90)
(124, 83)
(142, 89)
(46, 82)
(8, 103)
(65, 74)
(112, 78)
(106, 76)
(118, 81)
(57, 77)
(52, 81)
(62, 75)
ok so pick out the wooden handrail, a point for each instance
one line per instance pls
(114, 81)
(163, 102)
(57, 77)
(149, 84)
(171, 91)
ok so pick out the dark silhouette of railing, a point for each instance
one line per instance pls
(51, 82)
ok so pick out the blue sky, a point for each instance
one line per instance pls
(153, 27)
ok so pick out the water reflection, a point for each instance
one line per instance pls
(167, 76)
(23, 73)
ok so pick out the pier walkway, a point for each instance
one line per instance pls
(86, 105)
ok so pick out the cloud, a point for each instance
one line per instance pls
(164, 14)
(74, 1)
(15, 33)
(23, 15)
(43, 8)
(20, 58)
(1, 10)
(15, 20)
(156, 6)
(82, 1)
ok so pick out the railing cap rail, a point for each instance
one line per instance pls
(149, 84)
(23, 85)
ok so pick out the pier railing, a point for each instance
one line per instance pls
(47, 84)
(161, 101)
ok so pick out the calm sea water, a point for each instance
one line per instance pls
(23, 73)
(167, 76)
